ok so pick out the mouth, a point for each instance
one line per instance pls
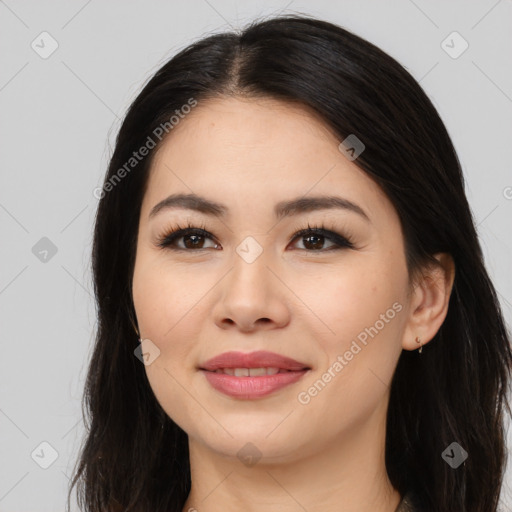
(253, 375)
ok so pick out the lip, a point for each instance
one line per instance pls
(249, 388)
(259, 359)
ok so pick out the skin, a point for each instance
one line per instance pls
(296, 299)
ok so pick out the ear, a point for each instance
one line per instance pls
(429, 302)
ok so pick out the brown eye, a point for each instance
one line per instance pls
(314, 240)
(193, 238)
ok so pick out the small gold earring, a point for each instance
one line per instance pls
(419, 341)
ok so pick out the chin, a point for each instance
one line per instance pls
(249, 443)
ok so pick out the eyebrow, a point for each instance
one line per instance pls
(282, 209)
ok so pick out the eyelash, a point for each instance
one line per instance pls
(166, 240)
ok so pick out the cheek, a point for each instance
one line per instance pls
(164, 303)
(361, 310)
(346, 301)
(173, 302)
(163, 297)
(160, 302)
(361, 347)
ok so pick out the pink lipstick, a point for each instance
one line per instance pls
(252, 375)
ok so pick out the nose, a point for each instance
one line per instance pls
(252, 298)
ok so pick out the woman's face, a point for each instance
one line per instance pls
(251, 284)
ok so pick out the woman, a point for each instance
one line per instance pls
(294, 312)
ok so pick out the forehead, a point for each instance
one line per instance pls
(254, 151)
(252, 123)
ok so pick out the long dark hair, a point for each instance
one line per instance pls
(134, 457)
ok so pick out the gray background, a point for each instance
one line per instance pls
(60, 115)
